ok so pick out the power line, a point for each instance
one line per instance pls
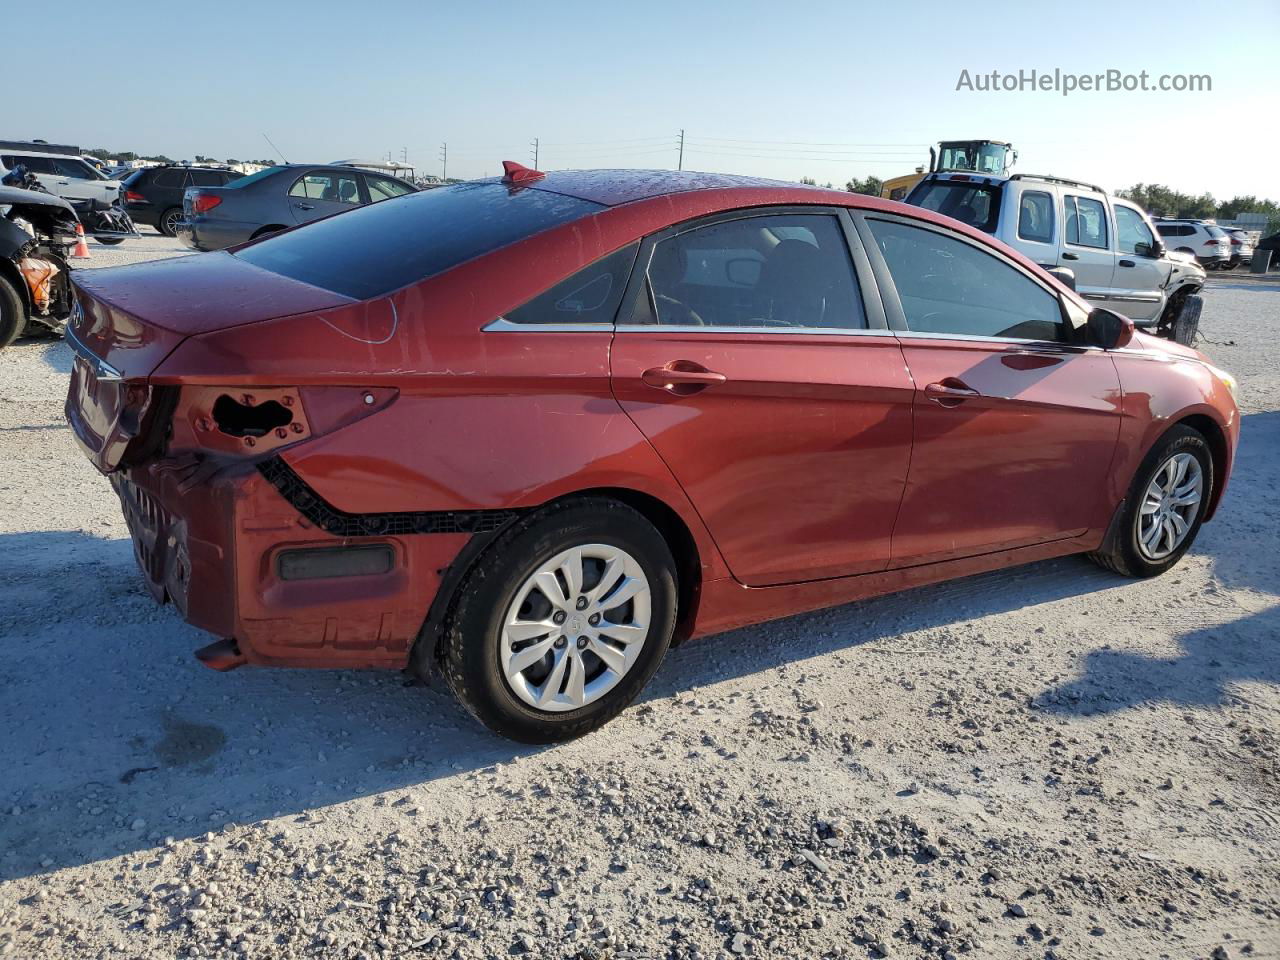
(814, 143)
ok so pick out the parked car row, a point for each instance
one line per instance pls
(216, 216)
(153, 195)
(530, 432)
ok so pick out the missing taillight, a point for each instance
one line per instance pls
(237, 419)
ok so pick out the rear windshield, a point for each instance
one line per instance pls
(977, 204)
(1215, 232)
(376, 249)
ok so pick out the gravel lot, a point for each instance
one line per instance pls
(1047, 762)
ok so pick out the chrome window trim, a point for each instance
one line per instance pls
(1041, 344)
(744, 328)
(503, 325)
(103, 371)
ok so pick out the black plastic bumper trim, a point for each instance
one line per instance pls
(342, 524)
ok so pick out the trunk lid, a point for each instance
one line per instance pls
(127, 320)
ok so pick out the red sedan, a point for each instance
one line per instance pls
(532, 431)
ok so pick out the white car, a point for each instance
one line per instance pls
(1203, 239)
(62, 174)
(1107, 243)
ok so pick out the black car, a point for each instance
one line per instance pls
(278, 198)
(153, 195)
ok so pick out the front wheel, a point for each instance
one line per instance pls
(1164, 509)
(561, 622)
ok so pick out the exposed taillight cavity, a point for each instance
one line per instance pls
(252, 421)
(132, 196)
(204, 202)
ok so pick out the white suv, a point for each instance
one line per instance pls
(1203, 239)
(1108, 244)
(62, 174)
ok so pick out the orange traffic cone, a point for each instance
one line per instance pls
(81, 252)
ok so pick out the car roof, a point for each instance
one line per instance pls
(610, 188)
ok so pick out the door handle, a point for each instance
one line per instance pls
(1127, 263)
(682, 377)
(1071, 256)
(950, 392)
(304, 206)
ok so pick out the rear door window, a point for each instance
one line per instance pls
(1086, 221)
(171, 178)
(1035, 216)
(777, 272)
(385, 246)
(33, 164)
(321, 185)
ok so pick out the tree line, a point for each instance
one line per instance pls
(126, 156)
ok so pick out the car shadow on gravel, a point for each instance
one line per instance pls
(116, 738)
(1212, 659)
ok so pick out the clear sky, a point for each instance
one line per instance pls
(783, 89)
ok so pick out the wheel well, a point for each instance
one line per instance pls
(684, 549)
(1207, 427)
(269, 228)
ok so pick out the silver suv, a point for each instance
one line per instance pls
(1108, 244)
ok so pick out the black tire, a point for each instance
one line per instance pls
(468, 652)
(109, 241)
(1186, 322)
(1121, 553)
(265, 232)
(168, 220)
(13, 314)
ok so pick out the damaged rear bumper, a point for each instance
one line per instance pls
(222, 544)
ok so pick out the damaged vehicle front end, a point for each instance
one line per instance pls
(37, 235)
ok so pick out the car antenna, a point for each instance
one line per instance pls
(274, 147)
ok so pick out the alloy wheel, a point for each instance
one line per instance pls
(1170, 506)
(576, 627)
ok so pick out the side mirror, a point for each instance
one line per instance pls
(1158, 249)
(1065, 276)
(1109, 330)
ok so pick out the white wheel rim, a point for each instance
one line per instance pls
(1170, 505)
(575, 628)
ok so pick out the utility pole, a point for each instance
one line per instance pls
(535, 153)
(444, 161)
(680, 162)
(404, 154)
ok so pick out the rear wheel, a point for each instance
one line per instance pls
(13, 314)
(561, 622)
(1164, 509)
(168, 222)
(109, 241)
